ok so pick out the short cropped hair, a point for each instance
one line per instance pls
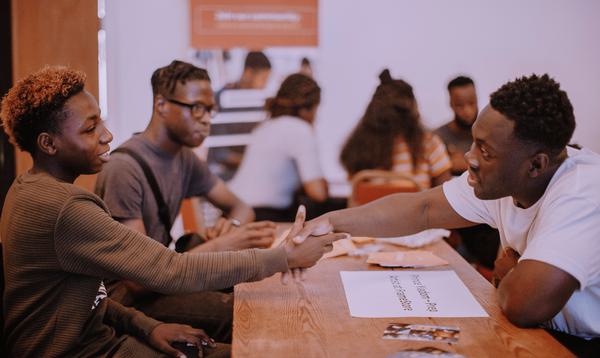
(460, 81)
(542, 112)
(164, 80)
(36, 104)
(257, 60)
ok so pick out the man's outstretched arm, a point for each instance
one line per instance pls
(393, 215)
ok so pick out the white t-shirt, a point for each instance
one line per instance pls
(281, 155)
(561, 229)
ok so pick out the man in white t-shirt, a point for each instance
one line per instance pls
(542, 196)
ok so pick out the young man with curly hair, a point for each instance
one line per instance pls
(60, 242)
(542, 196)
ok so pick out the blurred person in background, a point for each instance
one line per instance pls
(390, 137)
(478, 244)
(282, 156)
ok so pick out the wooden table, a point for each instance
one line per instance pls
(311, 319)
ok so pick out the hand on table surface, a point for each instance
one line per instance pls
(257, 234)
(165, 334)
(252, 235)
(221, 227)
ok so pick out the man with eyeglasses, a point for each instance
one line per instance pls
(183, 105)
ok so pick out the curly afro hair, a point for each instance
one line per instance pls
(36, 104)
(542, 112)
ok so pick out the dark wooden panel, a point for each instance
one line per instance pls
(57, 32)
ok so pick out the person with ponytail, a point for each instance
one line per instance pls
(282, 157)
(390, 137)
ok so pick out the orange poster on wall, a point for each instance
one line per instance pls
(253, 24)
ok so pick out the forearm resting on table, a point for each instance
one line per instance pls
(221, 197)
(241, 212)
(533, 292)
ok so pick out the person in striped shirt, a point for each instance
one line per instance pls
(390, 136)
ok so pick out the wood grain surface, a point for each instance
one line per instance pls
(311, 319)
(57, 32)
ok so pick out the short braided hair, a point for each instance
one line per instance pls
(164, 80)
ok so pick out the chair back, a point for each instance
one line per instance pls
(190, 217)
(369, 185)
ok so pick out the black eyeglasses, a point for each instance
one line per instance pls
(197, 109)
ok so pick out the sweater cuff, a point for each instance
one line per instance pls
(145, 324)
(273, 260)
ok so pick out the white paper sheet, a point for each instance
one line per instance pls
(419, 239)
(379, 294)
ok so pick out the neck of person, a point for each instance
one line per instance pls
(158, 135)
(531, 193)
(44, 164)
(246, 82)
(458, 128)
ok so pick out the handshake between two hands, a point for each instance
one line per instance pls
(306, 243)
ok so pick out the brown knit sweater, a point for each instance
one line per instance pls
(59, 241)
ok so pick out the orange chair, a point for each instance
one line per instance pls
(192, 219)
(369, 185)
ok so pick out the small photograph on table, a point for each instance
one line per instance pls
(425, 352)
(421, 332)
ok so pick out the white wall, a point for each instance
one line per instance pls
(141, 35)
(425, 42)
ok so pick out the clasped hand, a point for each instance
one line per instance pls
(306, 243)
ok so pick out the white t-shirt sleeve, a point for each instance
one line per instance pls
(567, 236)
(303, 149)
(462, 198)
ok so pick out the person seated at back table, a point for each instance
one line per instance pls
(183, 104)
(59, 242)
(478, 244)
(542, 196)
(390, 137)
(224, 161)
(457, 133)
(282, 155)
(256, 73)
